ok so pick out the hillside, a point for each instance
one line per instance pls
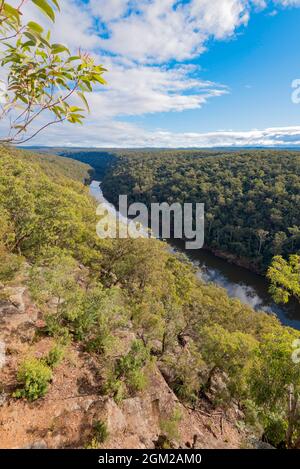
(116, 343)
(252, 198)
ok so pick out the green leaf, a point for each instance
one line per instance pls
(28, 44)
(99, 79)
(75, 109)
(73, 58)
(56, 4)
(58, 48)
(83, 98)
(45, 7)
(30, 36)
(35, 27)
(11, 11)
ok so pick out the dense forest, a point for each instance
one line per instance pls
(193, 332)
(252, 198)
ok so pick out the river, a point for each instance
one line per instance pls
(248, 287)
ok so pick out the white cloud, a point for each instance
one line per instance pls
(141, 37)
(160, 30)
(288, 3)
(108, 10)
(74, 24)
(144, 89)
(115, 133)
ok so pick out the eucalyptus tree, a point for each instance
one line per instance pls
(42, 78)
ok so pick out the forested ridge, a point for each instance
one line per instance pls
(252, 198)
(91, 292)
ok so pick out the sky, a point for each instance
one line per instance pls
(189, 73)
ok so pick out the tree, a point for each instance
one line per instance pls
(285, 278)
(275, 387)
(230, 353)
(43, 78)
(262, 211)
(262, 236)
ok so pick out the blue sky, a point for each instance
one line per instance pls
(258, 65)
(186, 73)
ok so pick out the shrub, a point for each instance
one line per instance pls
(127, 375)
(136, 381)
(34, 375)
(55, 356)
(10, 264)
(170, 426)
(100, 431)
(135, 359)
(54, 328)
(275, 429)
(115, 387)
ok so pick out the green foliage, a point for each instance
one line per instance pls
(252, 198)
(100, 431)
(55, 329)
(275, 385)
(228, 352)
(135, 359)
(55, 356)
(127, 375)
(115, 387)
(185, 368)
(136, 381)
(44, 212)
(88, 315)
(275, 428)
(34, 376)
(285, 278)
(170, 426)
(94, 291)
(10, 265)
(43, 76)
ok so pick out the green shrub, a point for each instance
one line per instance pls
(34, 376)
(114, 387)
(100, 431)
(275, 429)
(170, 426)
(127, 375)
(102, 343)
(55, 356)
(135, 359)
(54, 328)
(10, 264)
(136, 381)
(93, 444)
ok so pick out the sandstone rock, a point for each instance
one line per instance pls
(2, 354)
(39, 445)
(139, 416)
(16, 297)
(115, 418)
(3, 398)
(86, 404)
(7, 308)
(259, 444)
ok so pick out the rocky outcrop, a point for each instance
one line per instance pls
(65, 417)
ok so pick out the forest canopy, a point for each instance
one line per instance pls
(192, 331)
(252, 198)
